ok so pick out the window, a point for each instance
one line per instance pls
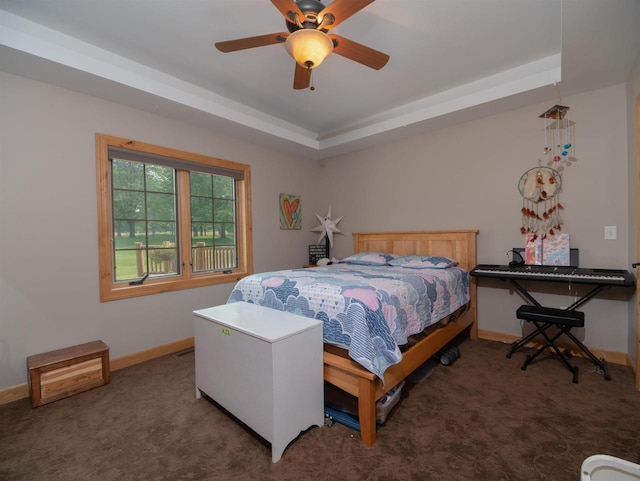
(168, 219)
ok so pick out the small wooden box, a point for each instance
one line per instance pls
(59, 374)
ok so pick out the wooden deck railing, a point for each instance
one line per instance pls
(209, 258)
(203, 257)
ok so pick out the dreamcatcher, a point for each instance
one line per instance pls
(540, 189)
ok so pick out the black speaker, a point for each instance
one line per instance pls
(516, 260)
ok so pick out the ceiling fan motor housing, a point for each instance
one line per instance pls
(311, 9)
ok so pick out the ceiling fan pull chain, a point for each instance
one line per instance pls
(312, 87)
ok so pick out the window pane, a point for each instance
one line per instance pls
(128, 205)
(159, 179)
(222, 187)
(160, 232)
(127, 232)
(225, 233)
(144, 222)
(130, 232)
(224, 210)
(126, 268)
(201, 232)
(128, 175)
(161, 207)
(201, 209)
(163, 259)
(213, 243)
(135, 257)
(200, 184)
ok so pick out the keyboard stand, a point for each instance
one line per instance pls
(542, 328)
(585, 298)
(542, 317)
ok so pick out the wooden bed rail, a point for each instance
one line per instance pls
(366, 386)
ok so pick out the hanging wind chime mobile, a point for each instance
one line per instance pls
(540, 186)
(559, 133)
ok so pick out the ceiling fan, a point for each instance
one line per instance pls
(307, 41)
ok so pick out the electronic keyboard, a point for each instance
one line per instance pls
(601, 277)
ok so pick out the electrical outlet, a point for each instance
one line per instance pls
(610, 232)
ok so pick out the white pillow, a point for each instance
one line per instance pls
(369, 259)
(421, 262)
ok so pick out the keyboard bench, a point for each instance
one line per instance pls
(545, 317)
(551, 315)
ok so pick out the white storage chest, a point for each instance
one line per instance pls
(262, 365)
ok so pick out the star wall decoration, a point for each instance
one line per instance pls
(327, 227)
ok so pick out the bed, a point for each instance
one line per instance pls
(365, 345)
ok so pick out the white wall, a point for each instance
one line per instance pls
(49, 294)
(466, 176)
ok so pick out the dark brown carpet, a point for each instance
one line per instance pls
(480, 419)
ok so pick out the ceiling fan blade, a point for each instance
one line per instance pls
(341, 10)
(358, 52)
(286, 6)
(302, 77)
(251, 42)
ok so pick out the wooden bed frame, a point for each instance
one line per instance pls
(366, 386)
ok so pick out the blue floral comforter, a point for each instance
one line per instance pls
(368, 310)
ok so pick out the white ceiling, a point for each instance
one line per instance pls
(451, 61)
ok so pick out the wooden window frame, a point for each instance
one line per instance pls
(186, 279)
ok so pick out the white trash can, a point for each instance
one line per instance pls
(601, 467)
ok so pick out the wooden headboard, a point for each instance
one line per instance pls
(455, 244)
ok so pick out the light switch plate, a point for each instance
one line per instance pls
(610, 232)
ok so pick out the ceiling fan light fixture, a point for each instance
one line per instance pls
(309, 47)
